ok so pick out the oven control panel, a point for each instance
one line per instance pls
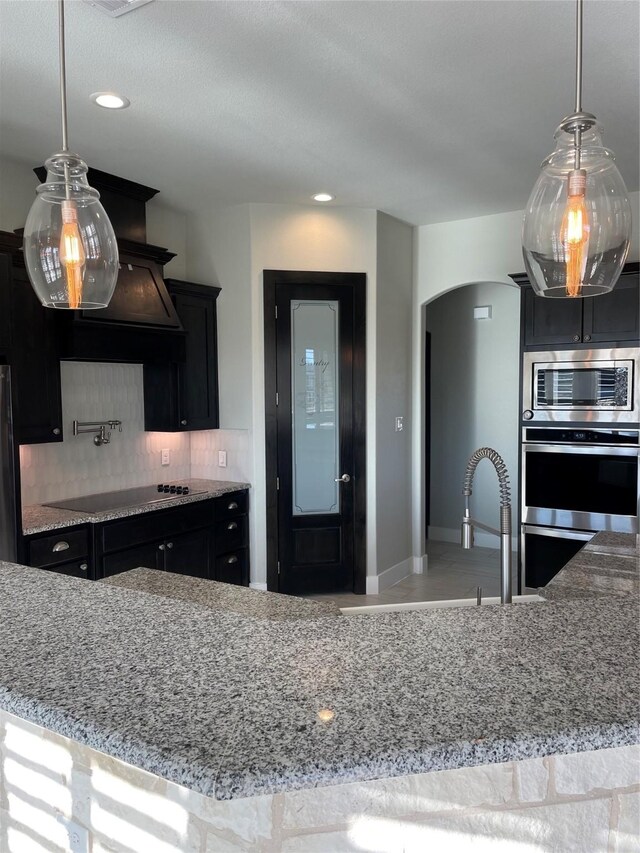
(552, 435)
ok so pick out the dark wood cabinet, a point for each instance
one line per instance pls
(179, 397)
(204, 539)
(610, 319)
(616, 315)
(35, 362)
(5, 304)
(148, 556)
(190, 554)
(67, 551)
(231, 538)
(550, 321)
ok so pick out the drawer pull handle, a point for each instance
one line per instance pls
(231, 560)
(61, 546)
(233, 525)
(233, 505)
(84, 567)
(169, 545)
(160, 547)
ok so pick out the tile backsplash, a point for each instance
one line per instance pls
(94, 391)
(204, 455)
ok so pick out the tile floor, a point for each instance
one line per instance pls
(453, 573)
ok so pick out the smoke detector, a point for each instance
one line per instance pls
(115, 8)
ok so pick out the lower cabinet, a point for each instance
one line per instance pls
(204, 539)
(66, 551)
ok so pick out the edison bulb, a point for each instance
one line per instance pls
(70, 248)
(577, 224)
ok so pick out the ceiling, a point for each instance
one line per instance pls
(430, 111)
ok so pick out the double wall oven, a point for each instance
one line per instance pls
(580, 454)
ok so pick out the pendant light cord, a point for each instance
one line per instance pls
(63, 76)
(63, 92)
(578, 105)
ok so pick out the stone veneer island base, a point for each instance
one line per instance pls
(56, 794)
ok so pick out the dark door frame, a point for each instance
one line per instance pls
(358, 284)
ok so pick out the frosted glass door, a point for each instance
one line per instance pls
(314, 404)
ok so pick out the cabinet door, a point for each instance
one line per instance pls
(5, 303)
(615, 316)
(233, 567)
(149, 556)
(35, 360)
(189, 553)
(73, 568)
(551, 321)
(199, 374)
(181, 397)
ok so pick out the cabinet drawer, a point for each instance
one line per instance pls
(231, 534)
(235, 503)
(59, 547)
(144, 556)
(233, 567)
(160, 524)
(74, 568)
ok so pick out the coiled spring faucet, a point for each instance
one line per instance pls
(468, 523)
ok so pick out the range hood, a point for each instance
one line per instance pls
(140, 324)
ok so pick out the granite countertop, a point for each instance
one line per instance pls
(38, 519)
(607, 565)
(222, 597)
(227, 702)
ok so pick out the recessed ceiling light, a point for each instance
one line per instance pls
(110, 100)
(323, 197)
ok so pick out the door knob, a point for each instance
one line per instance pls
(344, 479)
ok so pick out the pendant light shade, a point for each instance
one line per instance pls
(70, 248)
(576, 244)
(577, 224)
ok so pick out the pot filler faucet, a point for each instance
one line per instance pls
(504, 533)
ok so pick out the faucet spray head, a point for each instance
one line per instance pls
(466, 539)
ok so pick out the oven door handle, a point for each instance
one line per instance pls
(584, 449)
(558, 533)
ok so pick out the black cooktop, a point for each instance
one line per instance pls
(141, 496)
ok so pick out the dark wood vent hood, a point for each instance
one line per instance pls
(140, 324)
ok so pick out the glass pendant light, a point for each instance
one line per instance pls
(70, 248)
(577, 224)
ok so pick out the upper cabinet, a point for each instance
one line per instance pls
(34, 357)
(184, 396)
(610, 319)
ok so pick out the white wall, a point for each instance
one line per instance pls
(474, 394)
(232, 248)
(393, 394)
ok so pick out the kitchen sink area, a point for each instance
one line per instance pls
(407, 606)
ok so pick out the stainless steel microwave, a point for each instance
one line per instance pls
(574, 386)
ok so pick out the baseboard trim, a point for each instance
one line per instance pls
(389, 577)
(420, 564)
(481, 539)
(258, 585)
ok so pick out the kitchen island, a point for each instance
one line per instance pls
(269, 723)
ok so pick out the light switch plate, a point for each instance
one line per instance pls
(165, 455)
(222, 458)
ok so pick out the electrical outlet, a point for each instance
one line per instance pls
(165, 455)
(222, 458)
(399, 424)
